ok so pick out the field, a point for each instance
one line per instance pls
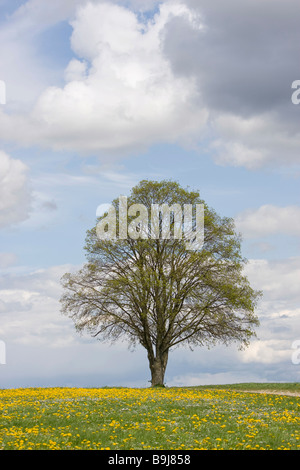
(218, 417)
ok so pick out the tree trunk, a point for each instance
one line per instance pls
(158, 368)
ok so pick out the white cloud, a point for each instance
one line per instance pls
(279, 280)
(7, 260)
(22, 68)
(237, 154)
(136, 82)
(267, 352)
(278, 310)
(120, 93)
(15, 196)
(268, 220)
(42, 345)
(36, 15)
(256, 141)
(30, 309)
(43, 342)
(75, 71)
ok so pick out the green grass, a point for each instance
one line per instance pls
(215, 417)
(250, 386)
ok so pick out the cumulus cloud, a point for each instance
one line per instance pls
(44, 344)
(261, 140)
(15, 198)
(267, 352)
(187, 71)
(36, 15)
(30, 308)
(244, 70)
(120, 92)
(21, 67)
(278, 310)
(269, 220)
(278, 279)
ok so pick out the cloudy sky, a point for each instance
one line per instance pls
(101, 94)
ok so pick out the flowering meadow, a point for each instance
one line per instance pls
(162, 418)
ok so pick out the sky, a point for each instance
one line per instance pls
(98, 95)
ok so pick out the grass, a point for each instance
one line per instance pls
(270, 387)
(216, 417)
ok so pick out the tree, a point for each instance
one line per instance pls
(157, 293)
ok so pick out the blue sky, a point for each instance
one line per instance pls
(102, 94)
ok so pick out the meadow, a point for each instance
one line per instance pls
(188, 418)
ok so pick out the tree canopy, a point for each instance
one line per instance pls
(157, 293)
